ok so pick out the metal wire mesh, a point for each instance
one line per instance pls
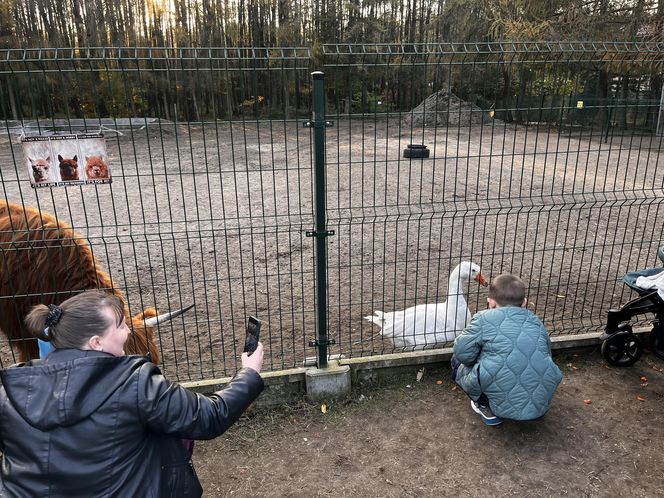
(544, 161)
(209, 199)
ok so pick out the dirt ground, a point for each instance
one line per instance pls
(402, 438)
(215, 215)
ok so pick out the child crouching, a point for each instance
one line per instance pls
(502, 360)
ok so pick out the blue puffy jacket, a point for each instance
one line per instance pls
(506, 354)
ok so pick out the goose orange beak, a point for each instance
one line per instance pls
(483, 281)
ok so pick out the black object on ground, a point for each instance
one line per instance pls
(414, 151)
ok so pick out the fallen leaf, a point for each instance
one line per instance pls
(644, 378)
(323, 408)
(640, 398)
(587, 401)
(439, 382)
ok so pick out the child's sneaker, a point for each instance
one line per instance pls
(485, 412)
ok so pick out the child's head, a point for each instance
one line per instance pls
(507, 290)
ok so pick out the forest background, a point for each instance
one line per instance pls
(180, 82)
(284, 23)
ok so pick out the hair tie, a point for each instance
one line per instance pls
(54, 314)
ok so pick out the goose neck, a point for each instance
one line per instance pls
(455, 284)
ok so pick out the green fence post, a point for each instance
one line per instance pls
(319, 123)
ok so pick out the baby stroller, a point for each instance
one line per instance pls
(621, 347)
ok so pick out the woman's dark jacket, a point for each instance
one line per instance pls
(85, 423)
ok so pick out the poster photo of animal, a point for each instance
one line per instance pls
(93, 159)
(62, 160)
(42, 166)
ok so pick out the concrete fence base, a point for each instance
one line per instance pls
(343, 373)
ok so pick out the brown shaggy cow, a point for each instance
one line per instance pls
(45, 261)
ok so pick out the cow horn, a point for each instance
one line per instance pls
(151, 322)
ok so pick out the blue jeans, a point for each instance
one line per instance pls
(455, 363)
(455, 366)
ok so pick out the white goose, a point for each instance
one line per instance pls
(426, 325)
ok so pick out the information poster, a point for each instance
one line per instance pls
(62, 160)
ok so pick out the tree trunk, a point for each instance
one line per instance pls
(654, 95)
(507, 94)
(522, 113)
(603, 92)
(78, 22)
(12, 100)
(624, 95)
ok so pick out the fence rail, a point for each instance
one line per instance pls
(545, 160)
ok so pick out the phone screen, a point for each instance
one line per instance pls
(253, 334)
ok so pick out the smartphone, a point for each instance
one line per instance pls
(253, 334)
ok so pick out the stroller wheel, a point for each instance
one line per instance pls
(622, 350)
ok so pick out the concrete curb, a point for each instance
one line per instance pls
(291, 385)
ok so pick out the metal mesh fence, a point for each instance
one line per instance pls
(544, 161)
(209, 199)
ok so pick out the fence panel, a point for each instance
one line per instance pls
(544, 161)
(209, 200)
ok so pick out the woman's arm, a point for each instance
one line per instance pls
(167, 407)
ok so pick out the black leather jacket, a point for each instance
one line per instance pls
(85, 423)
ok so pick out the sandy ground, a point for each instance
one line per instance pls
(404, 438)
(215, 215)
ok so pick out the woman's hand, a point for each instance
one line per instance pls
(255, 361)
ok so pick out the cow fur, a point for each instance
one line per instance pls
(43, 260)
